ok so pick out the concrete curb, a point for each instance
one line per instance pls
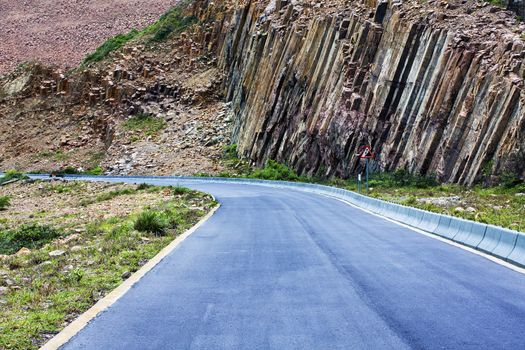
(82, 321)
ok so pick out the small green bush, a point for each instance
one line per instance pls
(146, 123)
(11, 175)
(95, 171)
(402, 178)
(275, 171)
(28, 236)
(499, 3)
(509, 180)
(112, 194)
(151, 222)
(75, 276)
(5, 201)
(143, 186)
(70, 171)
(180, 190)
(230, 152)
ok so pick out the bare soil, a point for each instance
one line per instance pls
(62, 32)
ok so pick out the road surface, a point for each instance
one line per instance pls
(284, 269)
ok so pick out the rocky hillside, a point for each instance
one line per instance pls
(434, 87)
(64, 31)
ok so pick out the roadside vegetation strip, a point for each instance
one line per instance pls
(502, 205)
(61, 267)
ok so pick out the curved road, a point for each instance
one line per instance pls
(284, 269)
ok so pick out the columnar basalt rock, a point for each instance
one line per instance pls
(426, 85)
(435, 87)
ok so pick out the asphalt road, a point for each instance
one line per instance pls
(283, 269)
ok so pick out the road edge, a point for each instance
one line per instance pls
(437, 237)
(103, 304)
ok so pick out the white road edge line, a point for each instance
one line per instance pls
(431, 235)
(103, 304)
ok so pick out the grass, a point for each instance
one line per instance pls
(113, 194)
(95, 171)
(26, 236)
(57, 156)
(109, 46)
(499, 3)
(172, 22)
(502, 205)
(12, 175)
(5, 201)
(276, 171)
(151, 222)
(52, 291)
(272, 170)
(61, 187)
(146, 124)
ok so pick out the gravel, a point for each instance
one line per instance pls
(62, 32)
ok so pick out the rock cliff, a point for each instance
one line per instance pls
(434, 87)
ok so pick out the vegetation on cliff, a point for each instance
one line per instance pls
(172, 22)
(501, 205)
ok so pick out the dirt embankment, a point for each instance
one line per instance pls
(62, 32)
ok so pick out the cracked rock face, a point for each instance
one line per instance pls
(434, 88)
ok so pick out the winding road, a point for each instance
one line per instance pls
(285, 269)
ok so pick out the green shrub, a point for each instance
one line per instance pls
(171, 22)
(509, 180)
(275, 171)
(230, 152)
(151, 222)
(95, 171)
(201, 174)
(146, 123)
(11, 175)
(69, 170)
(143, 186)
(180, 190)
(410, 201)
(29, 236)
(4, 202)
(402, 178)
(499, 3)
(75, 276)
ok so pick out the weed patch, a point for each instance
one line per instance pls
(172, 22)
(151, 222)
(276, 171)
(5, 201)
(26, 236)
(112, 194)
(12, 175)
(109, 46)
(145, 123)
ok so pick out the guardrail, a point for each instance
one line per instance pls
(502, 243)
